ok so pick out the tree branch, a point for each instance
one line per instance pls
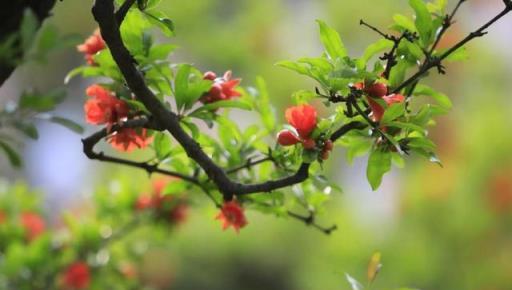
(436, 62)
(123, 10)
(91, 141)
(310, 221)
(103, 11)
(249, 164)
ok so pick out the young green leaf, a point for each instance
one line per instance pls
(379, 162)
(331, 41)
(372, 50)
(12, 155)
(423, 21)
(404, 22)
(71, 125)
(441, 99)
(392, 112)
(222, 104)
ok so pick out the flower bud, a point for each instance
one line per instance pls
(287, 138)
(376, 90)
(328, 145)
(209, 75)
(309, 144)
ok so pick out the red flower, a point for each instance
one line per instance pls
(287, 138)
(179, 213)
(92, 45)
(2, 217)
(232, 214)
(33, 223)
(77, 276)
(104, 107)
(302, 118)
(128, 139)
(144, 201)
(222, 88)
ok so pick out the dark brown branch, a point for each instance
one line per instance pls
(103, 11)
(310, 221)
(91, 141)
(249, 164)
(354, 125)
(11, 17)
(123, 10)
(436, 62)
(447, 23)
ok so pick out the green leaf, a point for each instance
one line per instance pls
(262, 104)
(41, 102)
(372, 50)
(160, 51)
(73, 73)
(27, 128)
(458, 55)
(71, 125)
(181, 84)
(422, 143)
(28, 29)
(331, 41)
(392, 112)
(318, 63)
(441, 99)
(176, 187)
(189, 86)
(409, 126)
(13, 156)
(398, 72)
(136, 105)
(223, 104)
(162, 145)
(423, 21)
(379, 163)
(165, 24)
(297, 67)
(404, 22)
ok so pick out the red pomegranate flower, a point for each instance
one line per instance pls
(128, 139)
(77, 276)
(302, 118)
(33, 224)
(104, 107)
(232, 214)
(179, 213)
(144, 201)
(92, 45)
(222, 88)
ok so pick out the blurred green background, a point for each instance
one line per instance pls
(437, 228)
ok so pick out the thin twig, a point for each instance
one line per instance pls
(310, 221)
(249, 164)
(123, 10)
(436, 62)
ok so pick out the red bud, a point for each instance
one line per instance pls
(376, 90)
(287, 138)
(309, 144)
(328, 145)
(209, 75)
